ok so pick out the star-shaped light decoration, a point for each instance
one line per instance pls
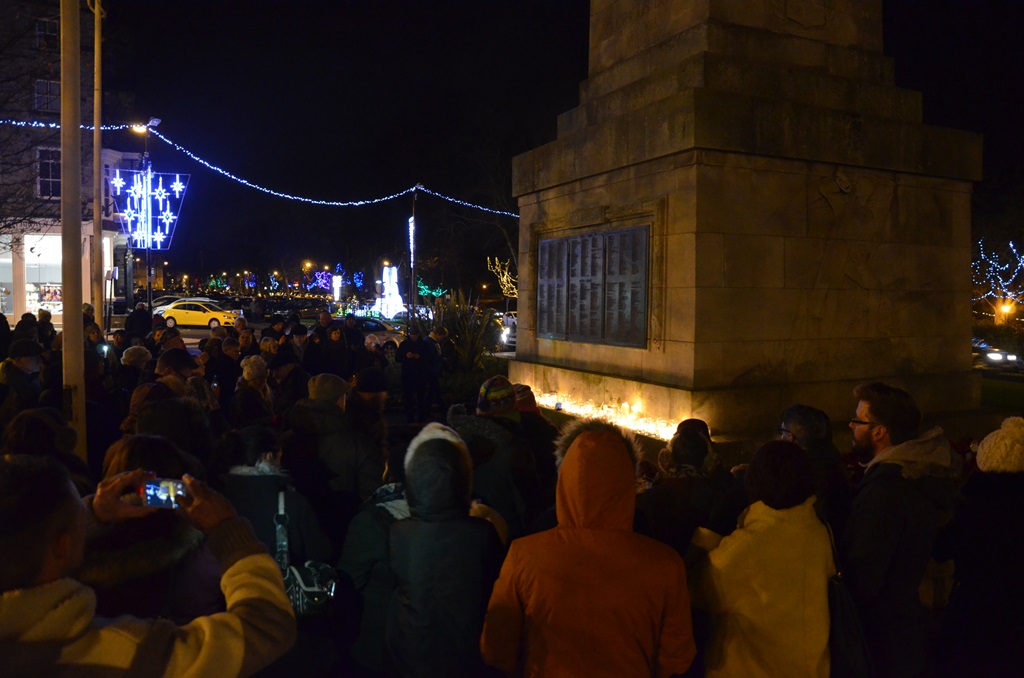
(148, 210)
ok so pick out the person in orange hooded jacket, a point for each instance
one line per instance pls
(590, 596)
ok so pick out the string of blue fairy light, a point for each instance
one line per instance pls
(269, 191)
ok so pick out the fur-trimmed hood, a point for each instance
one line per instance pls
(438, 474)
(132, 551)
(573, 429)
(596, 477)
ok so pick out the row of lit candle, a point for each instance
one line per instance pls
(626, 415)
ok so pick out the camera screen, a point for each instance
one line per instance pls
(163, 493)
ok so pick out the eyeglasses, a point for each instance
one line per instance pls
(783, 431)
(858, 422)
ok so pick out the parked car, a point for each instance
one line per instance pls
(387, 334)
(165, 302)
(192, 312)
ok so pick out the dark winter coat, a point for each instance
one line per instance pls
(356, 464)
(984, 623)
(504, 472)
(674, 507)
(292, 389)
(18, 391)
(138, 323)
(905, 498)
(329, 356)
(249, 407)
(445, 563)
(415, 357)
(253, 491)
(365, 559)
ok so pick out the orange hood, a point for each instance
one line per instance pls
(595, 482)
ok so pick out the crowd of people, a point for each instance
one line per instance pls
(476, 539)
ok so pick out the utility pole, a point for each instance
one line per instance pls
(71, 218)
(96, 252)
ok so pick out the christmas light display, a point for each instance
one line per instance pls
(147, 209)
(391, 303)
(508, 281)
(34, 124)
(357, 279)
(425, 291)
(279, 194)
(336, 284)
(998, 280)
(321, 279)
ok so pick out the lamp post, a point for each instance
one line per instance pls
(146, 216)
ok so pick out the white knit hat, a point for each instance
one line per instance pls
(1002, 451)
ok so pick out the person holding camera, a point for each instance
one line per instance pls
(47, 618)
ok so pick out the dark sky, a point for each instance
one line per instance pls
(344, 101)
(348, 100)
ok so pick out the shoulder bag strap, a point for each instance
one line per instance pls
(835, 553)
(281, 533)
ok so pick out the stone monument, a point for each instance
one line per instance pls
(744, 212)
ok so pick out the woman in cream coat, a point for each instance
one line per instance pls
(766, 585)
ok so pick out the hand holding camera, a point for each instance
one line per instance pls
(203, 507)
(107, 504)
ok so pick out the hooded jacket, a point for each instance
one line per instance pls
(906, 496)
(444, 561)
(766, 588)
(590, 597)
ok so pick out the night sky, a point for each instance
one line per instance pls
(347, 100)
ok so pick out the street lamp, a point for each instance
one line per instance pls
(145, 217)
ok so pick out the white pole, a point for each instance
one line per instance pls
(71, 217)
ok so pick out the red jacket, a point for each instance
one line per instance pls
(590, 597)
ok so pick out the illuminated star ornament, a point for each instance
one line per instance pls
(148, 211)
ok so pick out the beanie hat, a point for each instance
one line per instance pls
(1002, 451)
(299, 330)
(136, 356)
(497, 398)
(436, 431)
(328, 387)
(525, 400)
(253, 368)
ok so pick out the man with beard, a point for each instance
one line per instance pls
(905, 497)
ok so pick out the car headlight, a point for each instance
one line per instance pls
(504, 334)
(995, 356)
(1011, 357)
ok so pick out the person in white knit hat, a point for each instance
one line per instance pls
(984, 623)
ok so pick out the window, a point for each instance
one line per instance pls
(49, 172)
(48, 34)
(593, 288)
(47, 97)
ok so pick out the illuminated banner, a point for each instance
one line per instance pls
(148, 204)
